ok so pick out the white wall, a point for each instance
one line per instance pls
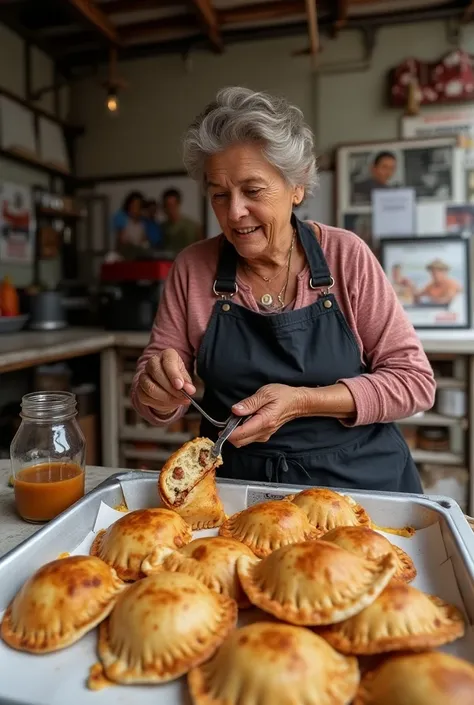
(163, 97)
(12, 79)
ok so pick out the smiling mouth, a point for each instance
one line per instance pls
(246, 231)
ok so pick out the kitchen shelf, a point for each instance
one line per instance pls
(450, 383)
(437, 457)
(136, 454)
(433, 419)
(151, 434)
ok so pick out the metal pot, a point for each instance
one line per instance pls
(47, 311)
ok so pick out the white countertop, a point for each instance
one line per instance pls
(14, 530)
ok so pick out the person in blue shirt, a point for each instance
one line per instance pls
(153, 228)
(128, 224)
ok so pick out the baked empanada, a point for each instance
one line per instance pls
(129, 540)
(274, 664)
(369, 543)
(202, 508)
(314, 582)
(431, 678)
(184, 469)
(266, 526)
(327, 509)
(402, 618)
(161, 627)
(211, 560)
(60, 603)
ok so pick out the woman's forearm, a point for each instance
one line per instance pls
(334, 400)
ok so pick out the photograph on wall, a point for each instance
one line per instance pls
(431, 279)
(429, 170)
(470, 185)
(460, 220)
(372, 170)
(163, 213)
(17, 224)
(429, 166)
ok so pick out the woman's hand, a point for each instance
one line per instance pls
(272, 406)
(160, 384)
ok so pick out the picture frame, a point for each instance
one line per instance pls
(434, 167)
(431, 276)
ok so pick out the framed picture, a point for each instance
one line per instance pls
(432, 167)
(431, 278)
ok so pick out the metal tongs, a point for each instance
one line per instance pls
(229, 425)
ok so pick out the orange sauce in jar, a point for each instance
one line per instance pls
(45, 490)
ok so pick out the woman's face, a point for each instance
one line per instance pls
(135, 208)
(250, 198)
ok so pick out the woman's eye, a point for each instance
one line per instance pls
(218, 196)
(254, 191)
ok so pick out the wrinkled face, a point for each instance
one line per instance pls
(251, 199)
(172, 207)
(384, 170)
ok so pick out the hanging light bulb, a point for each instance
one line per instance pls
(112, 101)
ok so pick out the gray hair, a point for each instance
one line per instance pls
(242, 115)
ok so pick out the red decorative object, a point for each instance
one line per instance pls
(449, 80)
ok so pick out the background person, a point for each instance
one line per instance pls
(179, 231)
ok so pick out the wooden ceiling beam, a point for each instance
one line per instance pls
(165, 25)
(312, 14)
(468, 12)
(91, 13)
(342, 15)
(261, 12)
(208, 19)
(160, 28)
(118, 7)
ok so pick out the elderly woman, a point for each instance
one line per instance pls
(294, 323)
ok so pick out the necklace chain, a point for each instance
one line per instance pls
(267, 299)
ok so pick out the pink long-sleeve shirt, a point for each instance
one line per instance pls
(400, 382)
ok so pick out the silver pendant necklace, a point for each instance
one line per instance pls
(267, 299)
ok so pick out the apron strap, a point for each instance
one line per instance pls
(225, 283)
(320, 274)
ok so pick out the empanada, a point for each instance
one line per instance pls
(202, 508)
(161, 627)
(212, 560)
(266, 526)
(314, 582)
(402, 618)
(184, 469)
(369, 543)
(431, 678)
(60, 603)
(327, 509)
(129, 540)
(274, 664)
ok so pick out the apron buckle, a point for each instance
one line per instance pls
(225, 294)
(326, 289)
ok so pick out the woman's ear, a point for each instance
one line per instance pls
(298, 196)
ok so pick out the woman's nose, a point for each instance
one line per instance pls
(237, 208)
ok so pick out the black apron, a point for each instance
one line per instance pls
(242, 350)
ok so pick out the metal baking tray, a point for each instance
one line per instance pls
(67, 531)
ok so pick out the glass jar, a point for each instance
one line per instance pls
(47, 456)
